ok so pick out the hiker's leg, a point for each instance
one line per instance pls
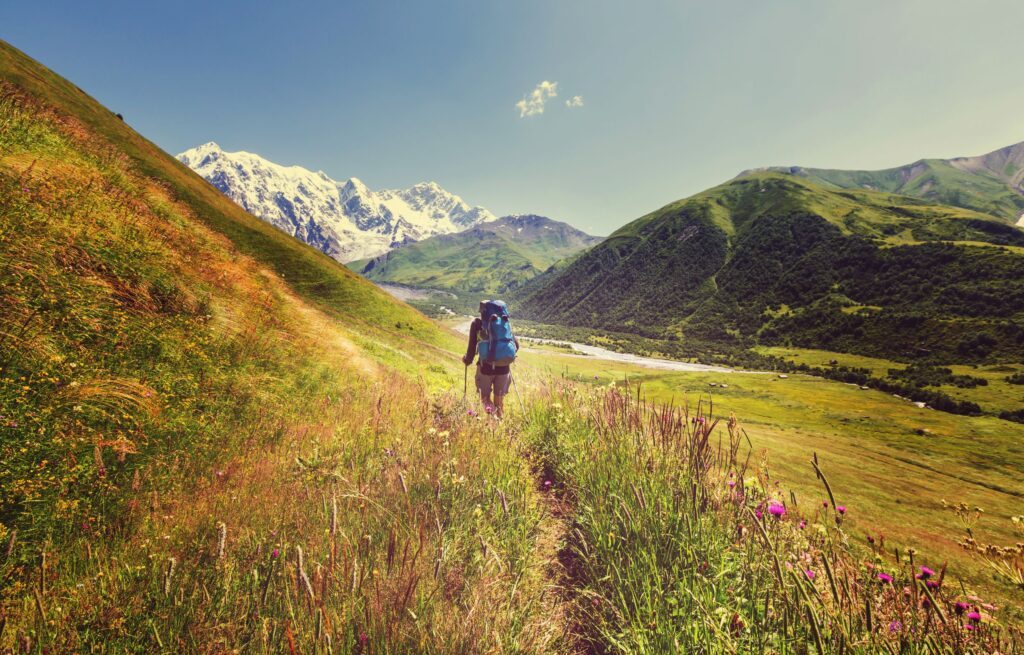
(483, 385)
(501, 385)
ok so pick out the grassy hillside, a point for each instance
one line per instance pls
(991, 184)
(775, 259)
(489, 258)
(197, 412)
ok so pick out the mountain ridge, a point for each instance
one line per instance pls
(991, 183)
(492, 257)
(344, 219)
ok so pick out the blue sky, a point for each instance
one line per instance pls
(677, 96)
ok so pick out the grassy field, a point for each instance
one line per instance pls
(997, 396)
(891, 463)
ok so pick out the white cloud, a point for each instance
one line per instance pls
(533, 103)
(573, 102)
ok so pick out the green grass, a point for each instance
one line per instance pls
(673, 547)
(995, 397)
(893, 462)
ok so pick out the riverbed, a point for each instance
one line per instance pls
(596, 352)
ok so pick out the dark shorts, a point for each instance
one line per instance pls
(499, 383)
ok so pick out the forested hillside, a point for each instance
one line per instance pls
(775, 259)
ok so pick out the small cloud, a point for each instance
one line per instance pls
(533, 103)
(573, 102)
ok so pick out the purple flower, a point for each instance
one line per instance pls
(824, 504)
(732, 483)
(974, 617)
(547, 483)
(895, 626)
(276, 553)
(932, 584)
(960, 607)
(841, 509)
(470, 413)
(925, 573)
(885, 577)
(778, 510)
(802, 525)
(810, 574)
(758, 514)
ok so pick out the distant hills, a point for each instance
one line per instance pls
(492, 257)
(346, 220)
(794, 259)
(991, 183)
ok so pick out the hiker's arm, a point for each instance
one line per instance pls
(471, 347)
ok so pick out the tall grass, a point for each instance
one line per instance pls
(682, 541)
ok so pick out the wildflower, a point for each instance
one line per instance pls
(732, 484)
(932, 584)
(895, 626)
(810, 574)
(925, 573)
(275, 553)
(778, 510)
(841, 509)
(470, 413)
(547, 484)
(885, 578)
(960, 607)
(802, 525)
(824, 504)
(758, 514)
(974, 617)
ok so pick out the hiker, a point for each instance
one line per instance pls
(490, 337)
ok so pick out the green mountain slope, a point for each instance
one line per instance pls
(489, 258)
(150, 329)
(992, 183)
(777, 259)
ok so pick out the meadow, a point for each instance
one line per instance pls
(893, 463)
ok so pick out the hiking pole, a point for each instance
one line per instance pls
(516, 387)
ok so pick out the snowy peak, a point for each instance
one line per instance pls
(347, 220)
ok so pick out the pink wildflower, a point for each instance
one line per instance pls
(778, 510)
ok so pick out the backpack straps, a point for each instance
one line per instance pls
(492, 340)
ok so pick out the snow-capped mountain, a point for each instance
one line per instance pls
(347, 220)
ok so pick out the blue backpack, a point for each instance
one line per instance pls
(496, 345)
